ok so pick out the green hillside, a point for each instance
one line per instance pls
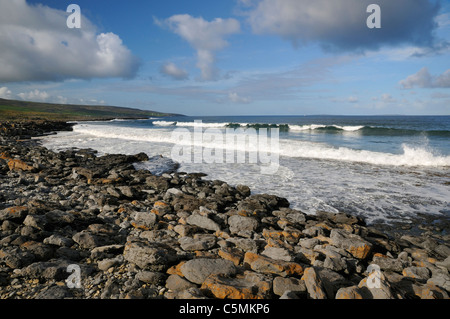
(22, 110)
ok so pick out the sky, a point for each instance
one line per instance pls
(230, 57)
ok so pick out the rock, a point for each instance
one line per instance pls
(352, 243)
(313, 284)
(268, 265)
(277, 253)
(233, 254)
(335, 263)
(420, 273)
(382, 290)
(15, 213)
(243, 190)
(202, 222)
(177, 283)
(105, 264)
(445, 263)
(197, 270)
(352, 292)
(223, 287)
(47, 270)
(282, 285)
(441, 280)
(60, 218)
(88, 240)
(40, 250)
(309, 243)
(107, 251)
(36, 221)
(148, 255)
(246, 244)
(144, 220)
(18, 165)
(55, 293)
(58, 240)
(151, 277)
(199, 242)
(386, 263)
(240, 224)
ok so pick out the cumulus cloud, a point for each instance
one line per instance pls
(37, 45)
(340, 25)
(206, 37)
(5, 93)
(423, 79)
(35, 95)
(176, 73)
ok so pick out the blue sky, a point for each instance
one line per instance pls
(236, 57)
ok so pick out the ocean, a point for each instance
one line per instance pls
(383, 168)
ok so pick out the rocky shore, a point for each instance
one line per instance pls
(135, 235)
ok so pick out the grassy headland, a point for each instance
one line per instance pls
(23, 110)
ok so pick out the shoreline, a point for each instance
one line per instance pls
(138, 235)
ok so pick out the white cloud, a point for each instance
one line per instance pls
(5, 93)
(341, 24)
(206, 37)
(35, 95)
(387, 98)
(37, 45)
(423, 79)
(170, 69)
(235, 98)
(353, 99)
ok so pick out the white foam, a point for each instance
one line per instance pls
(411, 156)
(311, 127)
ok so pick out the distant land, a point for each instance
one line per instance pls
(24, 110)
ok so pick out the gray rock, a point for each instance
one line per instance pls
(105, 264)
(55, 270)
(308, 243)
(144, 220)
(240, 224)
(282, 285)
(199, 242)
(151, 277)
(335, 263)
(387, 263)
(35, 221)
(148, 255)
(197, 270)
(202, 222)
(421, 273)
(313, 284)
(88, 240)
(55, 292)
(177, 283)
(277, 253)
(352, 243)
(58, 240)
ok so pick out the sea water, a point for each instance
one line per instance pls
(383, 168)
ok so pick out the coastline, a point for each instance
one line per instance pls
(138, 235)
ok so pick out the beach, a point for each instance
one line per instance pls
(172, 234)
